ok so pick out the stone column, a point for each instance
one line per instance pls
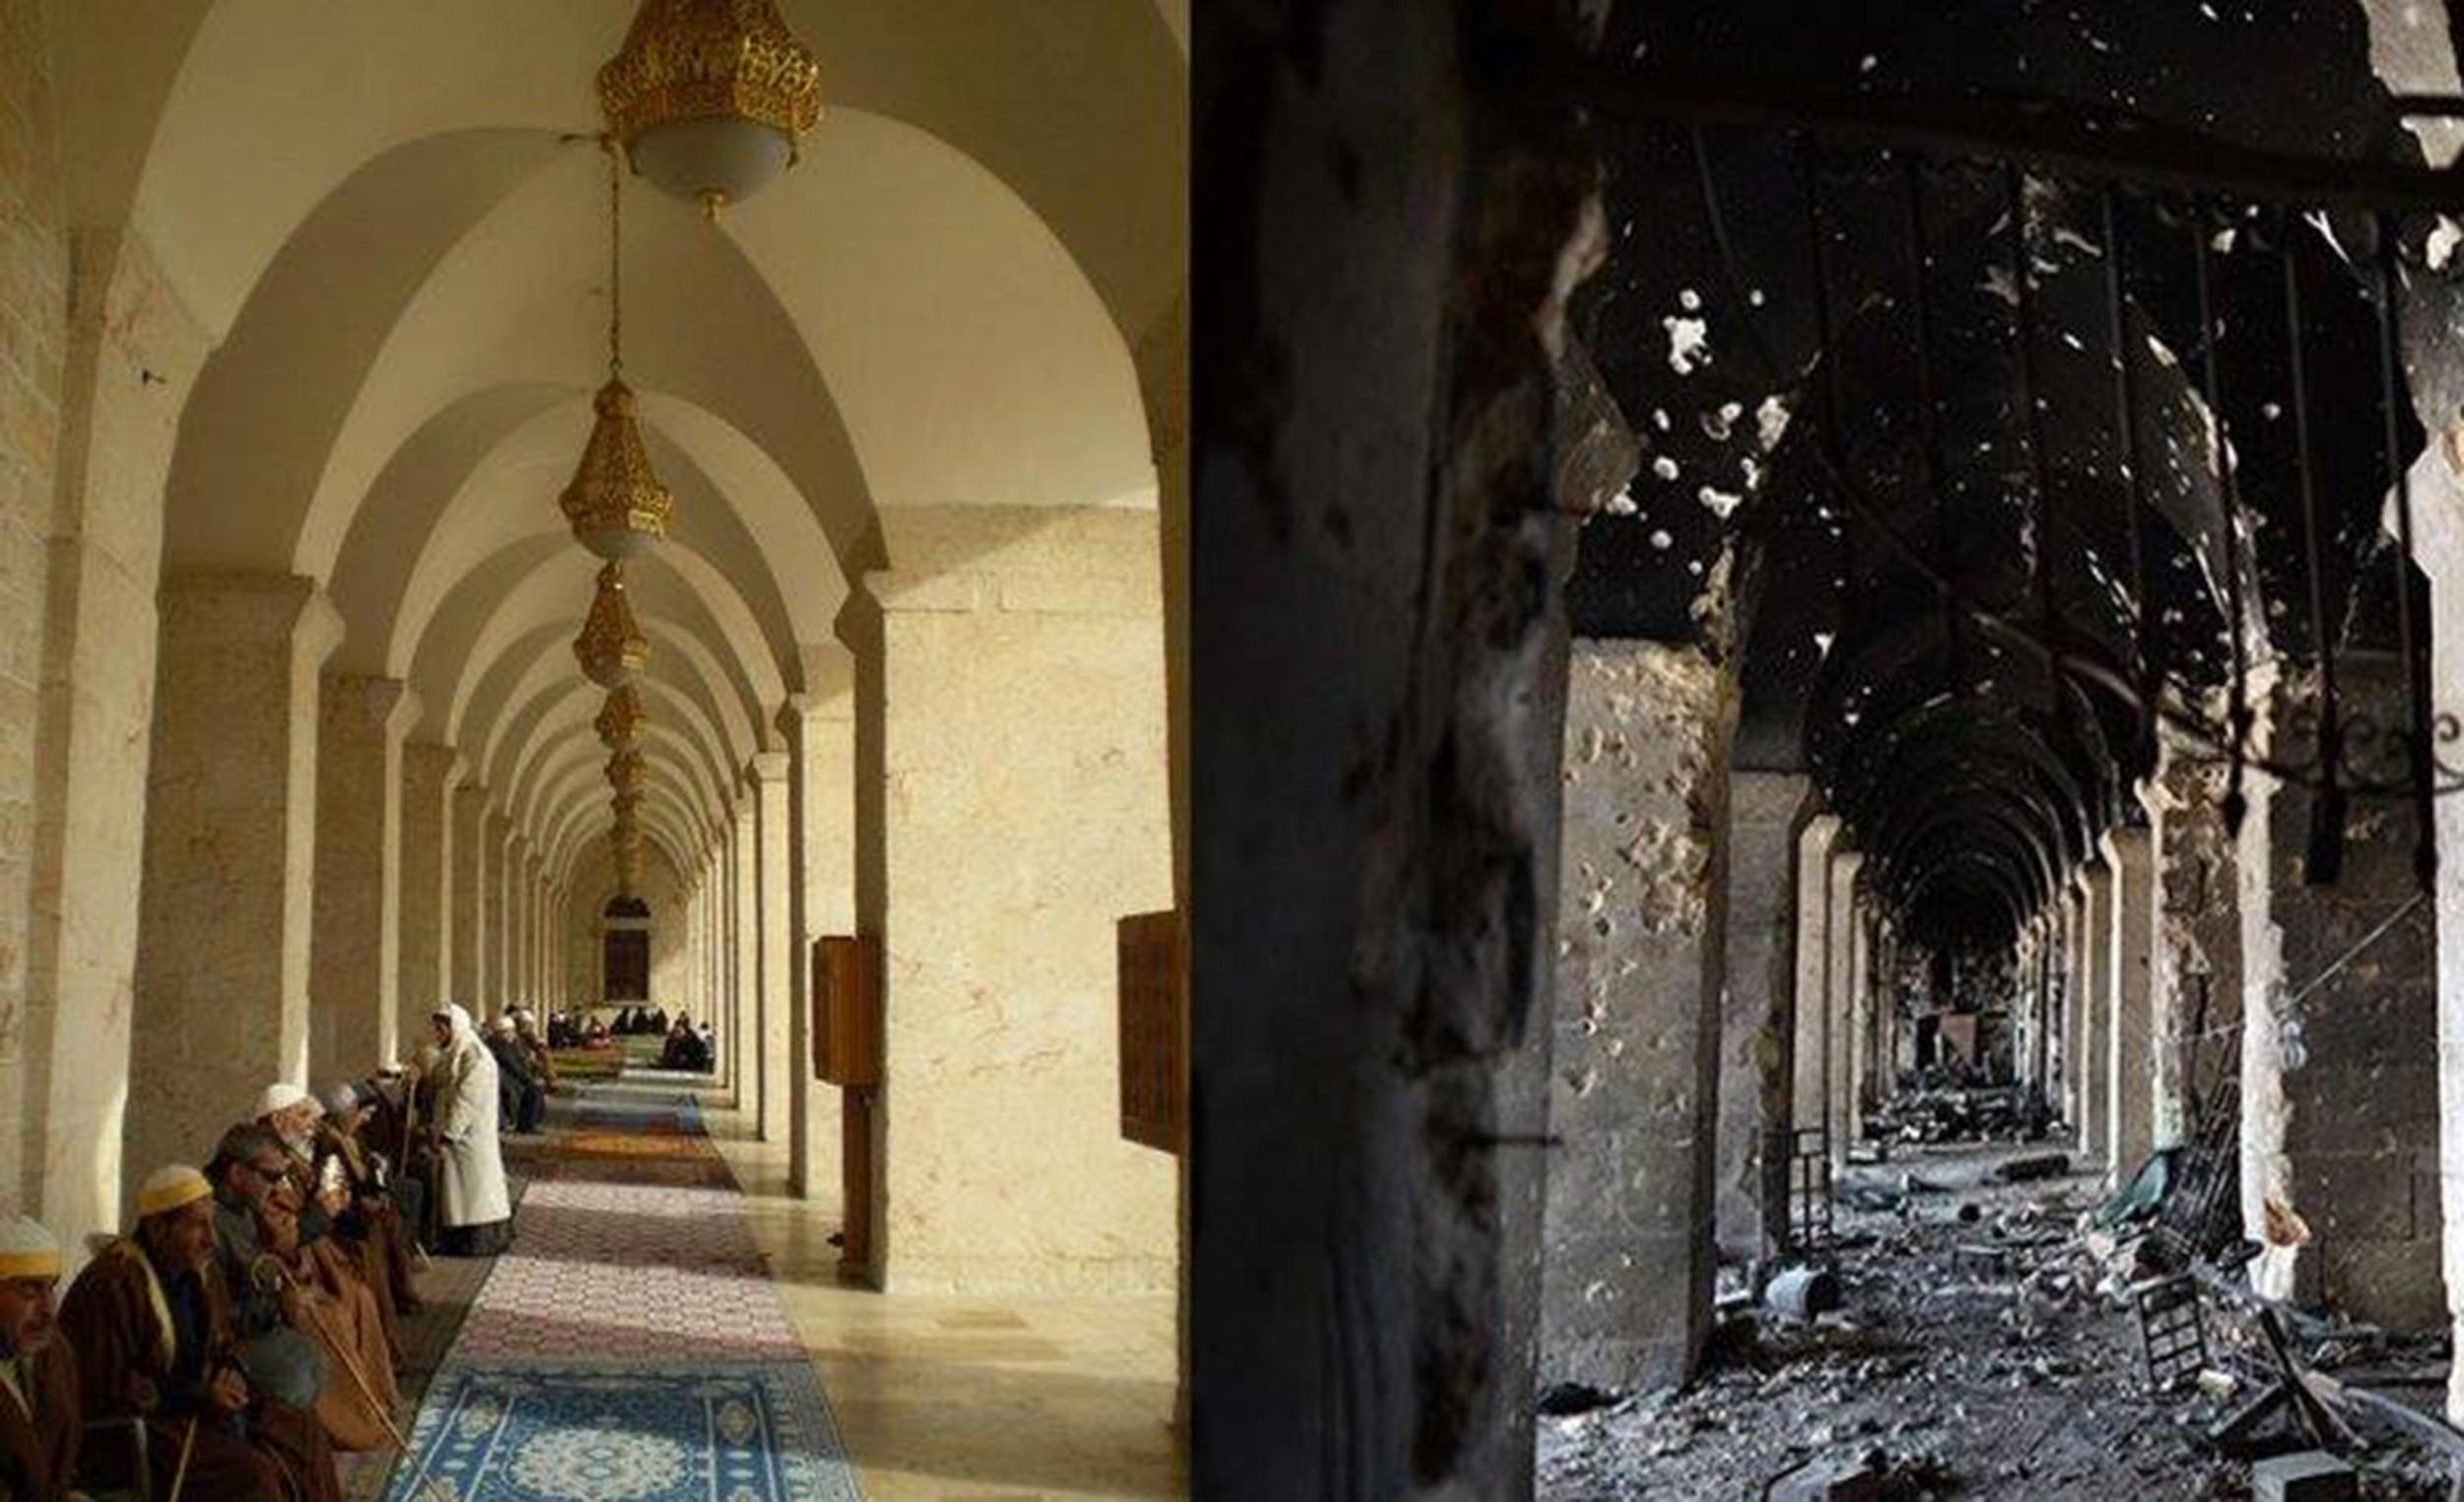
(1758, 1024)
(765, 794)
(2346, 1095)
(100, 338)
(2199, 952)
(1861, 986)
(2439, 551)
(820, 725)
(745, 1002)
(469, 891)
(1841, 931)
(2131, 1116)
(2075, 1002)
(1643, 895)
(355, 934)
(1812, 1097)
(1015, 809)
(2100, 960)
(222, 1003)
(490, 979)
(429, 775)
(535, 931)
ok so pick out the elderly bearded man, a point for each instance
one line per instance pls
(149, 1322)
(39, 1407)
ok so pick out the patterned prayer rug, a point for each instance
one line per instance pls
(629, 1347)
(567, 1432)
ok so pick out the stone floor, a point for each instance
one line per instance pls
(935, 1400)
(952, 1399)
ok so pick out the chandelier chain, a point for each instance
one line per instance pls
(615, 258)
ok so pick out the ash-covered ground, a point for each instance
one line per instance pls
(1985, 1347)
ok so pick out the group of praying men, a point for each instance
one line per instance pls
(243, 1330)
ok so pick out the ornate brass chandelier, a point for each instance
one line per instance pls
(611, 647)
(615, 503)
(709, 97)
(619, 720)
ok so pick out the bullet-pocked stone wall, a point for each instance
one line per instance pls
(2345, 1021)
(1642, 900)
(1758, 1023)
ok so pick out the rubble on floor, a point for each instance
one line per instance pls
(1988, 1345)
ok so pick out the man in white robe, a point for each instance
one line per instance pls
(472, 1205)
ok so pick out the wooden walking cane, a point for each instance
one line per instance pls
(268, 1272)
(180, 1474)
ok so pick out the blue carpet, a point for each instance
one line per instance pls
(630, 1432)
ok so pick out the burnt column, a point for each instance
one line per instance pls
(1759, 1025)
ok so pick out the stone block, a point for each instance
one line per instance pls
(1833, 1482)
(2306, 1476)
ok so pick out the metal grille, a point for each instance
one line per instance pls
(2171, 1331)
(1809, 1190)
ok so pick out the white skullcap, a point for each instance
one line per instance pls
(280, 1096)
(26, 1249)
(171, 1186)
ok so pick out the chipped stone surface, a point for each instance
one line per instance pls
(1641, 934)
(1758, 1021)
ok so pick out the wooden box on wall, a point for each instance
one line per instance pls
(846, 1010)
(1154, 972)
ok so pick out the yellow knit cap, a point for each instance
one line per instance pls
(170, 1188)
(26, 1249)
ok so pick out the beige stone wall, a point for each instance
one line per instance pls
(34, 332)
(428, 775)
(1022, 808)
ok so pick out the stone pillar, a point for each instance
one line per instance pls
(1758, 1023)
(429, 775)
(2348, 1097)
(99, 339)
(1812, 1097)
(490, 979)
(1643, 895)
(354, 934)
(1016, 809)
(470, 890)
(765, 796)
(1861, 987)
(820, 726)
(2100, 957)
(535, 929)
(2131, 1116)
(2199, 952)
(1841, 932)
(222, 1004)
(745, 1000)
(2075, 1002)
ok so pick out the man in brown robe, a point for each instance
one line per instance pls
(38, 1411)
(150, 1323)
(287, 1271)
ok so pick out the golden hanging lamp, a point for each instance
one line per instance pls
(615, 503)
(612, 648)
(621, 718)
(708, 97)
(624, 770)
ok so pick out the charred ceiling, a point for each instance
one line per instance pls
(2006, 447)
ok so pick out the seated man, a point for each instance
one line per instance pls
(524, 1098)
(150, 1323)
(287, 1278)
(371, 1219)
(39, 1422)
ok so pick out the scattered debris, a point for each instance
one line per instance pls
(1801, 1293)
